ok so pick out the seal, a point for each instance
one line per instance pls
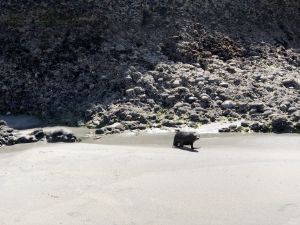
(182, 138)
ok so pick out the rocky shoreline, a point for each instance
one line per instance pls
(134, 65)
(10, 136)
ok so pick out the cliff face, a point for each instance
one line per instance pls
(74, 60)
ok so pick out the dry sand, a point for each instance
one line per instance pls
(240, 180)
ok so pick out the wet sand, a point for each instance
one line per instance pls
(231, 180)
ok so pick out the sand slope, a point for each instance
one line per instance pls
(222, 184)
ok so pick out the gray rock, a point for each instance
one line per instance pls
(260, 127)
(245, 124)
(228, 104)
(257, 106)
(170, 123)
(281, 124)
(224, 84)
(60, 135)
(170, 100)
(38, 134)
(192, 99)
(291, 109)
(102, 130)
(291, 83)
(25, 139)
(130, 92)
(224, 130)
(296, 115)
(297, 127)
(205, 98)
(3, 123)
(116, 126)
(176, 83)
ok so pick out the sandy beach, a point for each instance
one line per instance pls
(231, 180)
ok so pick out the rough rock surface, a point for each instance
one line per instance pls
(9, 136)
(6, 134)
(60, 135)
(151, 63)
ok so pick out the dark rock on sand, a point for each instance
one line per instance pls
(60, 135)
(281, 124)
(23, 139)
(7, 136)
(38, 134)
(260, 127)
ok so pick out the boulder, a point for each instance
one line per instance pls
(170, 123)
(281, 124)
(224, 84)
(260, 127)
(25, 139)
(3, 123)
(38, 134)
(61, 135)
(291, 83)
(257, 107)
(224, 130)
(102, 130)
(228, 104)
(245, 124)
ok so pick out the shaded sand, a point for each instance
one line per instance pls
(21, 121)
(232, 180)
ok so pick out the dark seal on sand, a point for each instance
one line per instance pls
(185, 138)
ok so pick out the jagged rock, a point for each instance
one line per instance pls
(38, 134)
(281, 124)
(61, 135)
(224, 130)
(257, 106)
(245, 124)
(191, 99)
(170, 123)
(3, 123)
(296, 116)
(170, 100)
(291, 109)
(116, 126)
(297, 126)
(102, 130)
(224, 84)
(260, 127)
(242, 107)
(7, 136)
(130, 92)
(228, 104)
(25, 139)
(291, 83)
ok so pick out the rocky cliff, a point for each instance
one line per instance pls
(151, 63)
